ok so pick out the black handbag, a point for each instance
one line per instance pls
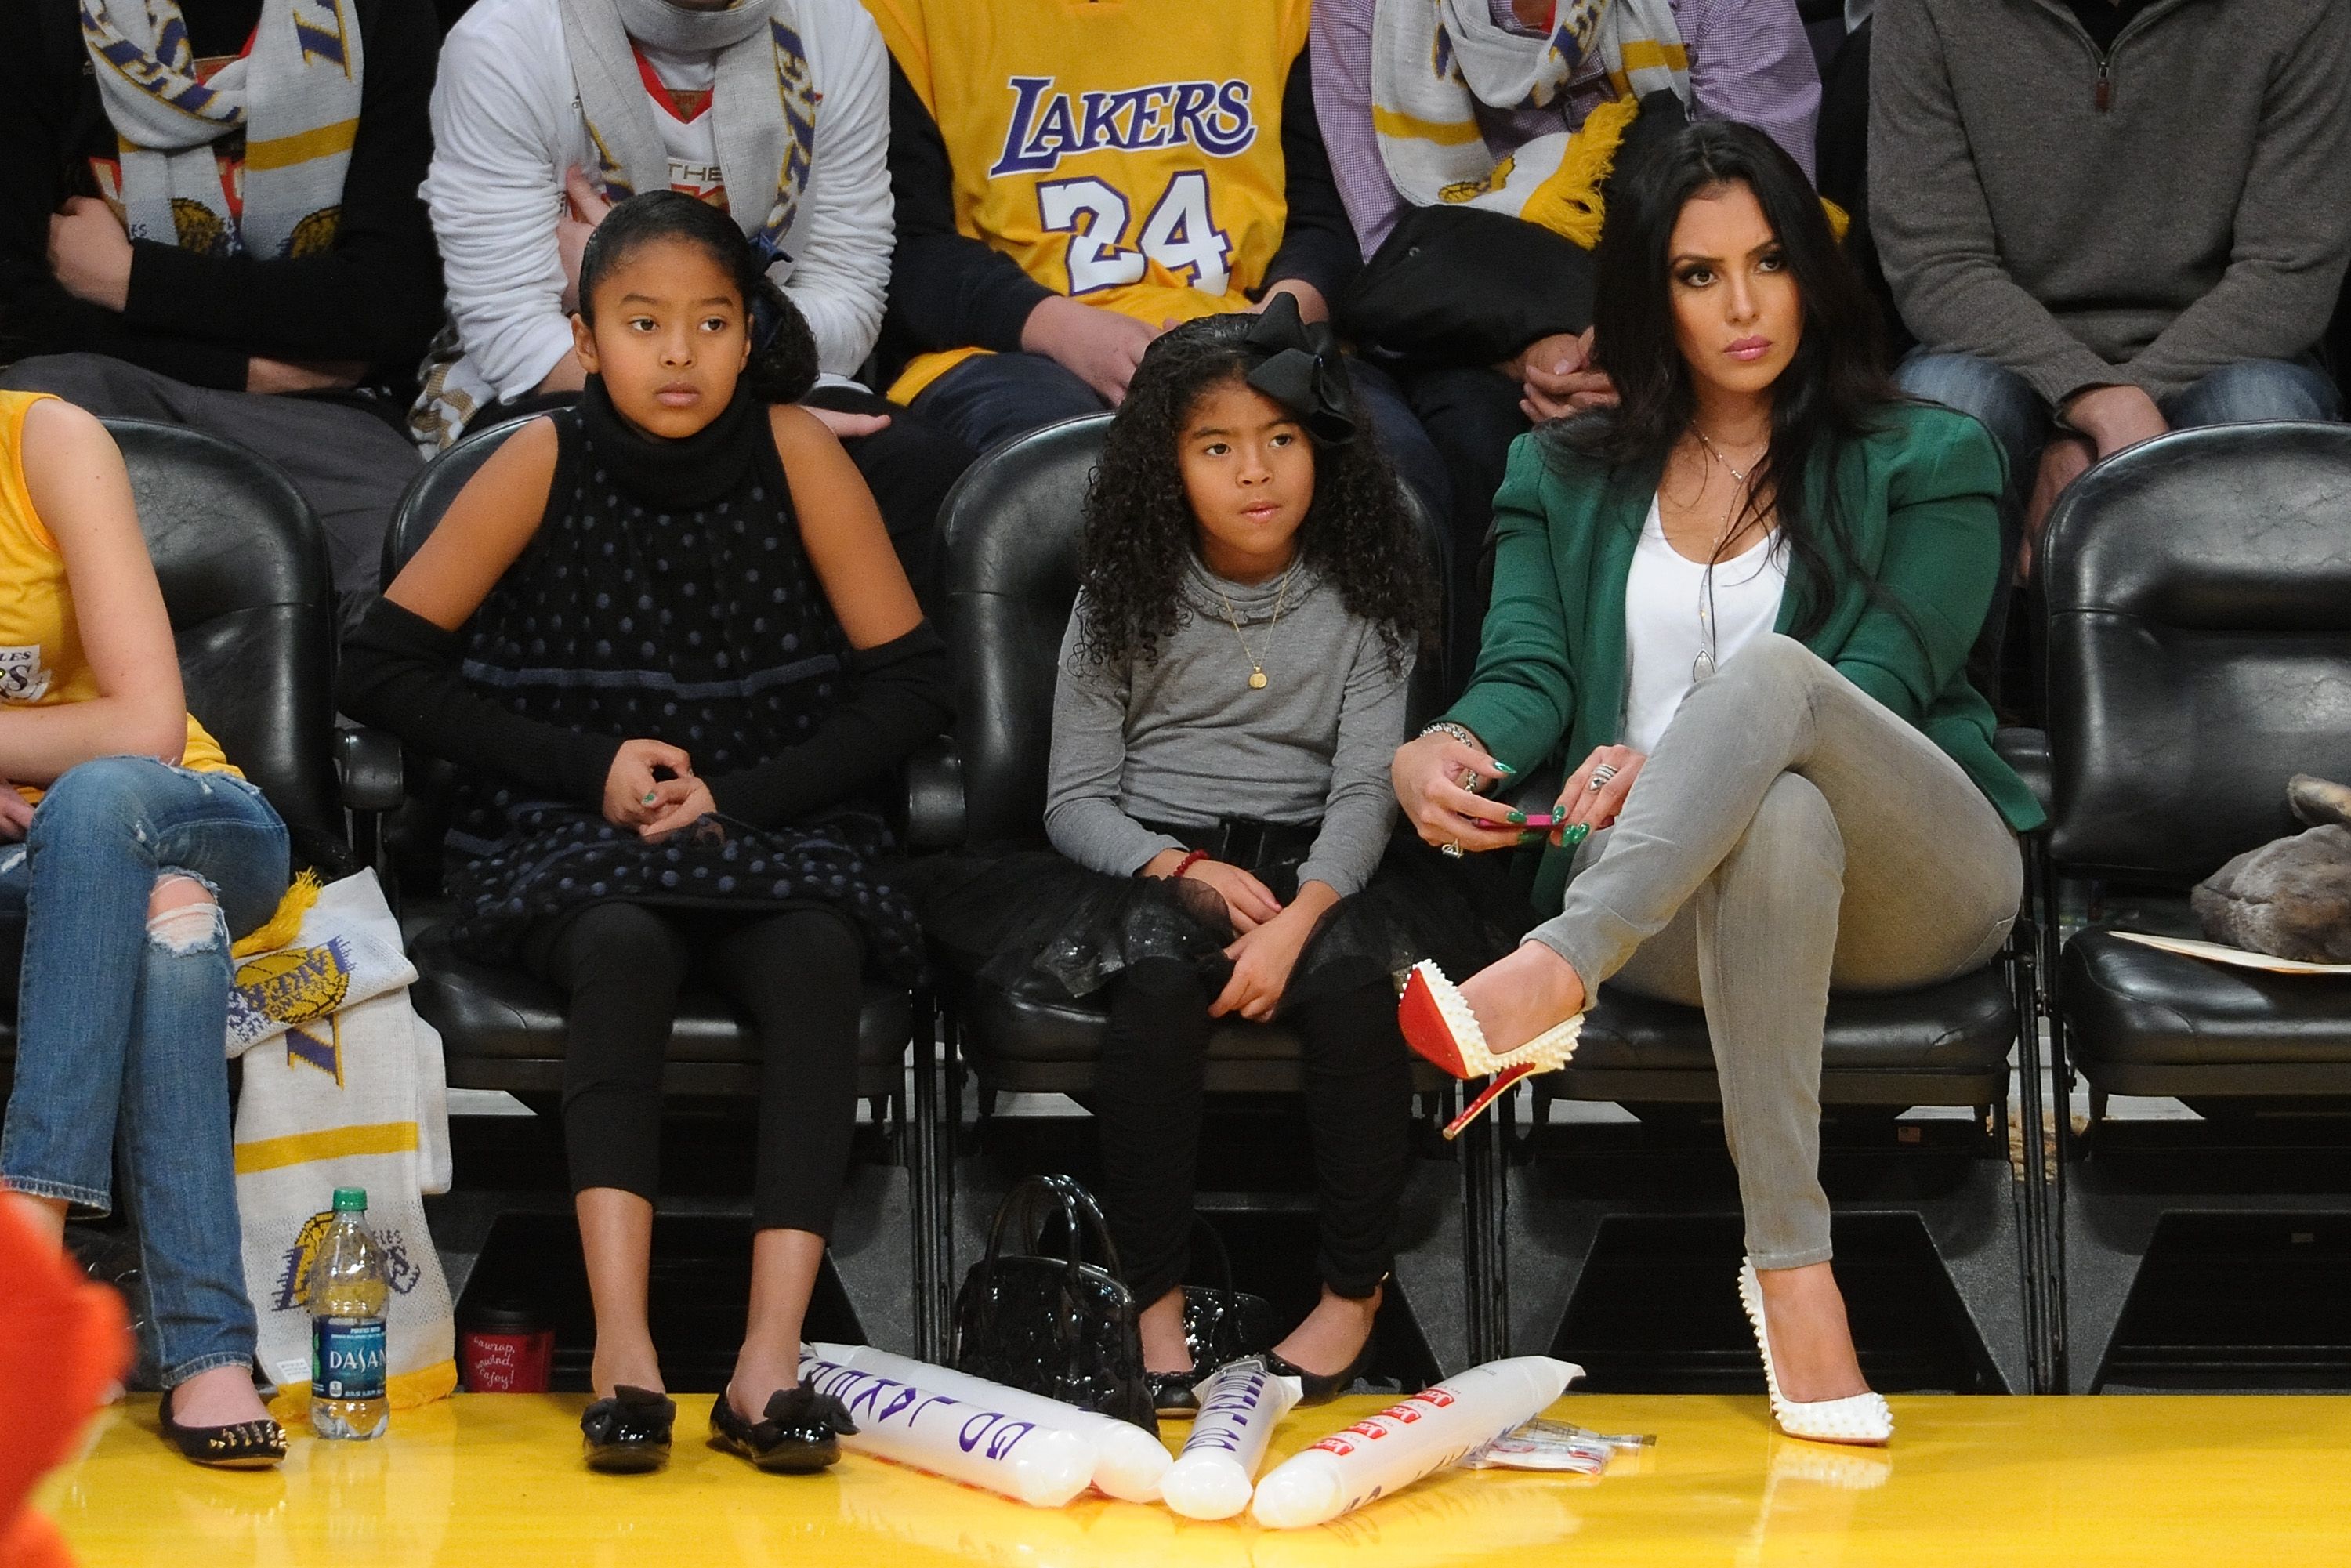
(1467, 286)
(1221, 1324)
(1061, 1327)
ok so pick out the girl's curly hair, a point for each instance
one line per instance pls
(1358, 535)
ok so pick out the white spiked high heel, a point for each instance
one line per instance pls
(1862, 1418)
(1438, 1023)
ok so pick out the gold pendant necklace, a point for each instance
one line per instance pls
(1256, 671)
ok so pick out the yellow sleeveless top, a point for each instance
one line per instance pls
(41, 661)
(1125, 153)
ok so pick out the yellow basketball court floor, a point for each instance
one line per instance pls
(496, 1480)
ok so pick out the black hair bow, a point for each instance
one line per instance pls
(1302, 371)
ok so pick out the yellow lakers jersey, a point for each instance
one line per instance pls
(41, 658)
(1125, 153)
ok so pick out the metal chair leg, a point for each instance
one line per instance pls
(925, 1176)
(1485, 1225)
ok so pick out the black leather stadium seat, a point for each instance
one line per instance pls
(1945, 1045)
(243, 567)
(2199, 592)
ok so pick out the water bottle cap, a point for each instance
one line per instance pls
(351, 1199)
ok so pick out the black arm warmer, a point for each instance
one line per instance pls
(399, 672)
(900, 697)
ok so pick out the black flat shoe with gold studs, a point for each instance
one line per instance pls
(240, 1446)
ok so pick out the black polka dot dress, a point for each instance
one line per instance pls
(666, 595)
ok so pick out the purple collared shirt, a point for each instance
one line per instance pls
(1749, 61)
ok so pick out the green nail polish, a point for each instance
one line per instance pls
(1517, 816)
(1575, 835)
(1504, 767)
(1532, 836)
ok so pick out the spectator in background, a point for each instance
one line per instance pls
(1524, 84)
(2109, 218)
(547, 112)
(1072, 180)
(208, 216)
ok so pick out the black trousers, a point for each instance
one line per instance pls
(1148, 1100)
(797, 972)
(1471, 413)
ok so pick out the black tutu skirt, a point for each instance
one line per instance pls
(1038, 924)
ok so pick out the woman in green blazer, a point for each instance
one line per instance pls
(1741, 602)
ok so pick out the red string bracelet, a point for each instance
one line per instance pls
(1187, 863)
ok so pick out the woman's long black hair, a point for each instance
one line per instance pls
(783, 354)
(1835, 389)
(1139, 533)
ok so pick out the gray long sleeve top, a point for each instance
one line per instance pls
(1184, 741)
(2144, 218)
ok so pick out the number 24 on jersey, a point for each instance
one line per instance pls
(1179, 234)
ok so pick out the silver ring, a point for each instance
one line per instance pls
(1599, 777)
(1450, 852)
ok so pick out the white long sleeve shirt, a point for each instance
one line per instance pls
(506, 128)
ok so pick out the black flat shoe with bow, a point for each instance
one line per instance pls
(628, 1434)
(1314, 1388)
(1175, 1394)
(797, 1433)
(240, 1446)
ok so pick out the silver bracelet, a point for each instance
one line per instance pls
(1459, 732)
(1468, 778)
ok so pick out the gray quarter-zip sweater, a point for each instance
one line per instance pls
(2181, 202)
(1184, 740)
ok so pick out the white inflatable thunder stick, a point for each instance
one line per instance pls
(1239, 1406)
(964, 1440)
(1429, 1431)
(1128, 1461)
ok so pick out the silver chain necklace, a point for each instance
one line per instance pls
(1704, 665)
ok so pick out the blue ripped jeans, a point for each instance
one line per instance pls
(121, 1027)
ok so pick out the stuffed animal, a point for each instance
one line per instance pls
(2290, 898)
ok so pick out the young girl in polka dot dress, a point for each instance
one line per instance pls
(666, 642)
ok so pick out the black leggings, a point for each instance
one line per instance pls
(1147, 1098)
(797, 972)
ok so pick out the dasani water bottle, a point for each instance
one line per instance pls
(348, 1292)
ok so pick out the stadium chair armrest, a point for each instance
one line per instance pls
(935, 815)
(368, 765)
(2027, 751)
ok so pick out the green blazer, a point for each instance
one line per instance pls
(1921, 496)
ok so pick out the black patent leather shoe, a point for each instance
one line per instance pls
(628, 1434)
(240, 1446)
(1314, 1388)
(799, 1432)
(1174, 1393)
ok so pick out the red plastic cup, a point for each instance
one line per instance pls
(505, 1349)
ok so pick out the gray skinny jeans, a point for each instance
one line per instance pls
(1789, 836)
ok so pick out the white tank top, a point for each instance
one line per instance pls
(1666, 614)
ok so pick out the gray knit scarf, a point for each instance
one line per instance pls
(764, 98)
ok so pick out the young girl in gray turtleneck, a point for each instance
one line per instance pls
(1232, 686)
